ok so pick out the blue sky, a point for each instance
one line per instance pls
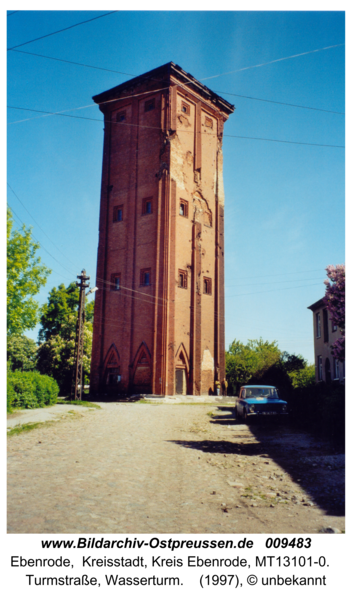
(284, 202)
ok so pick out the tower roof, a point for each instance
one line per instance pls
(165, 76)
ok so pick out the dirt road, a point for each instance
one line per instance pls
(158, 468)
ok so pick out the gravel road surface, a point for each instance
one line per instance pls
(171, 468)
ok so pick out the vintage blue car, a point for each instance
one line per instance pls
(259, 400)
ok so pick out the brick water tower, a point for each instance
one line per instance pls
(159, 311)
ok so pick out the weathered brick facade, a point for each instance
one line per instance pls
(159, 311)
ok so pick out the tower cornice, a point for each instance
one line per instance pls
(164, 76)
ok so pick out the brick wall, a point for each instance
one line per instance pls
(162, 148)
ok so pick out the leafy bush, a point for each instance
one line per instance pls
(21, 353)
(262, 362)
(304, 377)
(56, 357)
(321, 409)
(245, 361)
(275, 375)
(30, 390)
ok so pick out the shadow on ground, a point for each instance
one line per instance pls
(308, 461)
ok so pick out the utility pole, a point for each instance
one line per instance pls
(80, 334)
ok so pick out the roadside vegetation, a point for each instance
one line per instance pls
(37, 373)
(79, 403)
(56, 351)
(263, 362)
(319, 407)
(30, 390)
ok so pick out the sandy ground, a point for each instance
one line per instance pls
(163, 468)
(40, 415)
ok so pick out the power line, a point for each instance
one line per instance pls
(282, 274)
(138, 298)
(282, 103)
(272, 61)
(12, 13)
(61, 112)
(41, 245)
(46, 113)
(270, 282)
(61, 30)
(70, 62)
(216, 91)
(162, 303)
(134, 291)
(245, 137)
(108, 283)
(275, 290)
(151, 299)
(50, 240)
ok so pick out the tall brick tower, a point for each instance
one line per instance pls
(159, 311)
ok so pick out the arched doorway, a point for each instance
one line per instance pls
(181, 371)
(142, 372)
(112, 377)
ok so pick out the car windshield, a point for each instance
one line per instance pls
(262, 393)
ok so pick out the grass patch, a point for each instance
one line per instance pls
(211, 414)
(18, 429)
(26, 427)
(79, 403)
(145, 402)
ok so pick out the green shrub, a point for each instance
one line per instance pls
(320, 408)
(30, 390)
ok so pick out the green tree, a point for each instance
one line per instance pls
(241, 363)
(261, 361)
(304, 377)
(268, 354)
(25, 276)
(293, 362)
(21, 353)
(56, 354)
(245, 361)
(62, 303)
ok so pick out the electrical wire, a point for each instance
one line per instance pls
(270, 282)
(246, 137)
(70, 62)
(151, 78)
(133, 290)
(13, 191)
(157, 299)
(274, 290)
(282, 274)
(41, 245)
(60, 113)
(12, 13)
(61, 30)
(165, 300)
(282, 103)
(130, 296)
(270, 62)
